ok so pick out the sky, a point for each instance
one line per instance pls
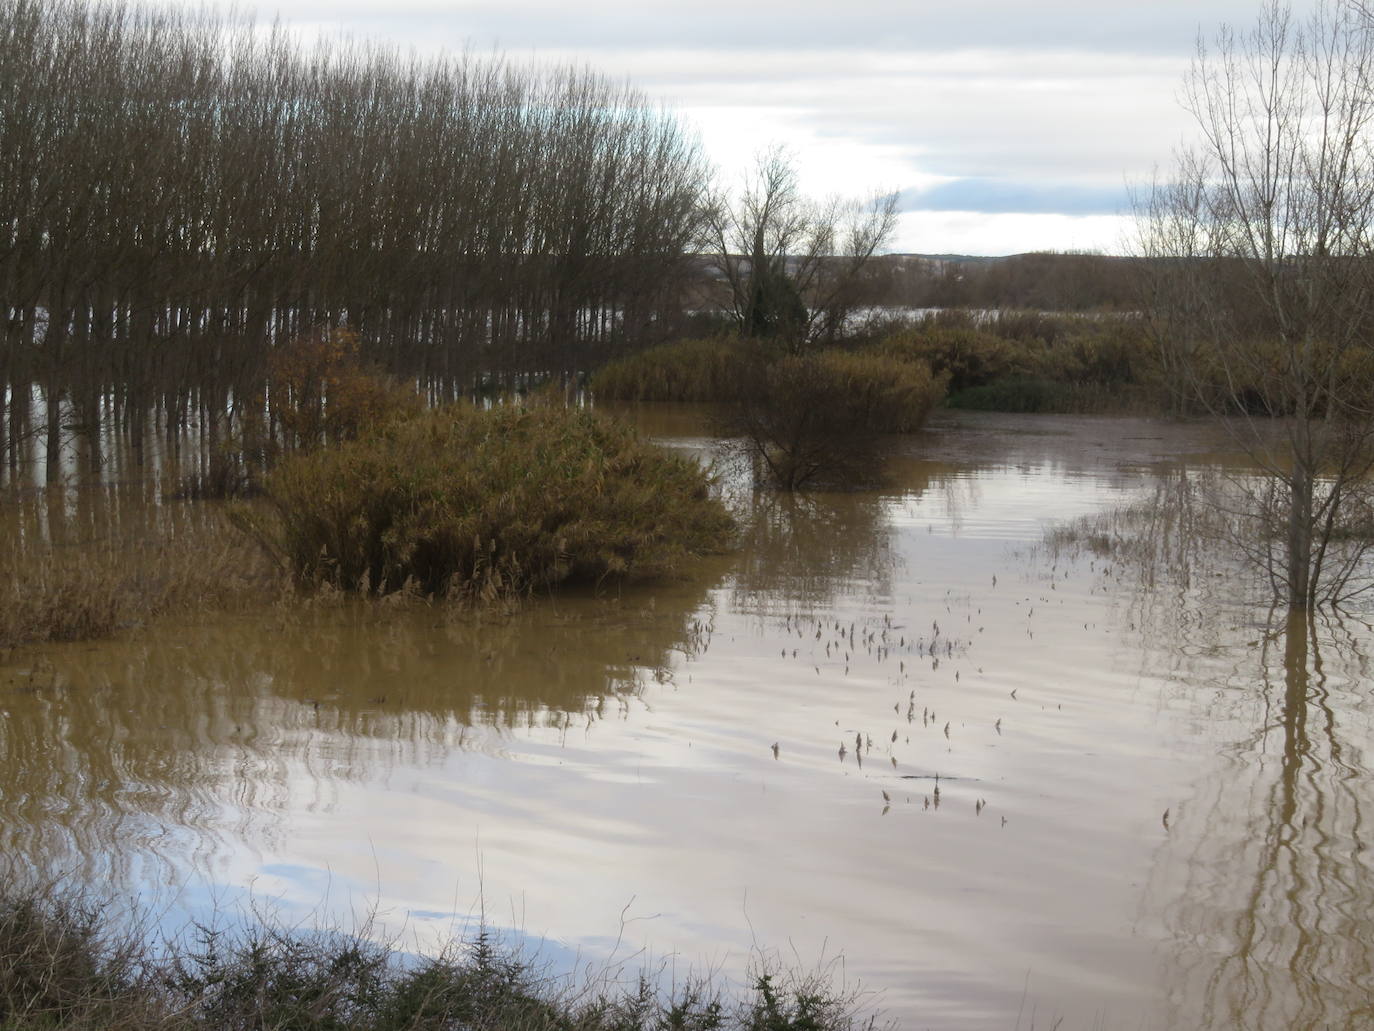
(1006, 125)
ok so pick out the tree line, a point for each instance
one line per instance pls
(181, 192)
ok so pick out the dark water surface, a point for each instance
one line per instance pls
(597, 772)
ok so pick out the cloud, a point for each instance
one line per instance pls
(785, 25)
(1010, 196)
(962, 232)
(1030, 117)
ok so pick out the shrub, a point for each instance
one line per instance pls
(819, 416)
(1029, 362)
(66, 963)
(966, 357)
(688, 370)
(486, 503)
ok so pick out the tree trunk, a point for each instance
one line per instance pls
(1299, 557)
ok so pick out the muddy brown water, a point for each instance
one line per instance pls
(595, 774)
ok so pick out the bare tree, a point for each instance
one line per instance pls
(1262, 276)
(793, 266)
(181, 194)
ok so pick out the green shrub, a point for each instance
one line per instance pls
(688, 370)
(819, 416)
(486, 503)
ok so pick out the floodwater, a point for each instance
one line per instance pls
(999, 782)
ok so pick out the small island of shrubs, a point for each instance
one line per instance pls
(481, 503)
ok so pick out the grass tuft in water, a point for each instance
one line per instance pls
(74, 586)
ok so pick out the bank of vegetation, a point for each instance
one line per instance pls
(1019, 361)
(364, 490)
(64, 963)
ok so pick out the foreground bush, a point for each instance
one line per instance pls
(486, 503)
(63, 965)
(817, 418)
(688, 370)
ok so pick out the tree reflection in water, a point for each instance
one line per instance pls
(1266, 875)
(812, 548)
(125, 759)
(1263, 891)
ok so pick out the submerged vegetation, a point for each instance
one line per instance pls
(805, 418)
(819, 417)
(488, 503)
(96, 580)
(62, 964)
(999, 360)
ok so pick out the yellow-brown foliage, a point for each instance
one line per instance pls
(322, 391)
(486, 503)
(818, 416)
(687, 370)
(92, 586)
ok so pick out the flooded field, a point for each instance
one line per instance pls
(999, 779)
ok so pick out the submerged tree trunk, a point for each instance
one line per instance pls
(1300, 519)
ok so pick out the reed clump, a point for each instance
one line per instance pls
(484, 504)
(86, 586)
(818, 418)
(67, 962)
(687, 370)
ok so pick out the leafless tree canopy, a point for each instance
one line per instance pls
(180, 192)
(793, 266)
(1263, 273)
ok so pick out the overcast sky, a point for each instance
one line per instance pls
(1007, 125)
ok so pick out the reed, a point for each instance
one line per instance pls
(485, 504)
(687, 370)
(89, 585)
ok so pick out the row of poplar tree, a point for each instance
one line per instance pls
(181, 192)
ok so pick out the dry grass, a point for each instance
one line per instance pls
(100, 577)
